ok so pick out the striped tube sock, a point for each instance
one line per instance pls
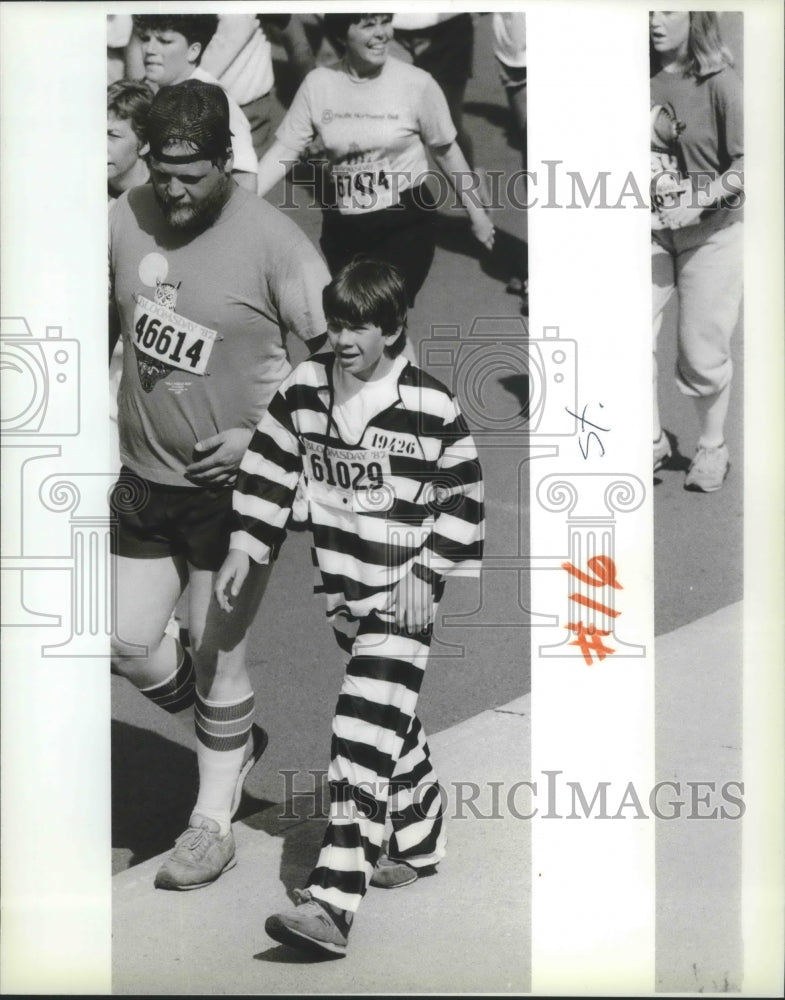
(178, 690)
(222, 732)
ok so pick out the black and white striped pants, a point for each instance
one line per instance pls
(380, 764)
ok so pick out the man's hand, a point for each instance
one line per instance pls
(231, 577)
(413, 603)
(223, 453)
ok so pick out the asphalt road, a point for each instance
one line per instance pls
(481, 660)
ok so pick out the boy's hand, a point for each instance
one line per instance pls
(413, 603)
(231, 577)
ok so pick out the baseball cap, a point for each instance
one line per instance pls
(192, 112)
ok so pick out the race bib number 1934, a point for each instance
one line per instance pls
(166, 336)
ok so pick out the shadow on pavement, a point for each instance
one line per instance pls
(676, 462)
(289, 956)
(510, 254)
(302, 839)
(154, 787)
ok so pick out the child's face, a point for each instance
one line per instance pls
(168, 57)
(358, 350)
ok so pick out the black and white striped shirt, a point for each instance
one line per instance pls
(406, 497)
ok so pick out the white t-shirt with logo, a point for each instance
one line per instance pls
(374, 130)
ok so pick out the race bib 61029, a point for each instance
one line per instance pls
(349, 479)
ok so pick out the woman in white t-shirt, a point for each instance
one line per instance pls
(376, 118)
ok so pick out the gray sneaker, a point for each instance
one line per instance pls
(257, 748)
(662, 451)
(200, 855)
(391, 874)
(309, 927)
(708, 469)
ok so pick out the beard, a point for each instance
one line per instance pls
(195, 218)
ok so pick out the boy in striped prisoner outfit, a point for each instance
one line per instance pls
(395, 503)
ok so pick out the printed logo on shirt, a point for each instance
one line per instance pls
(667, 183)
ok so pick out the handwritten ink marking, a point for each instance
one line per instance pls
(589, 639)
(604, 569)
(595, 605)
(585, 445)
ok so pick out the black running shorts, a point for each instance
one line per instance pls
(154, 521)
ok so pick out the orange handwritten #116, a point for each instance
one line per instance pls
(589, 641)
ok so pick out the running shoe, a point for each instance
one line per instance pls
(708, 469)
(391, 874)
(309, 927)
(200, 855)
(662, 451)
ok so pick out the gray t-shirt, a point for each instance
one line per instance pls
(203, 323)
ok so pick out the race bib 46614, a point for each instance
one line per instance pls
(170, 338)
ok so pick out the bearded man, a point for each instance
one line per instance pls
(206, 282)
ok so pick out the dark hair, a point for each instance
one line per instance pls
(337, 25)
(368, 291)
(130, 100)
(194, 27)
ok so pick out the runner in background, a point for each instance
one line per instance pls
(697, 228)
(240, 57)
(123, 52)
(509, 49)
(127, 106)
(375, 117)
(442, 45)
(172, 47)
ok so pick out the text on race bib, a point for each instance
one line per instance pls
(363, 187)
(163, 334)
(343, 477)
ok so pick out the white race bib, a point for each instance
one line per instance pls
(349, 479)
(363, 187)
(166, 336)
